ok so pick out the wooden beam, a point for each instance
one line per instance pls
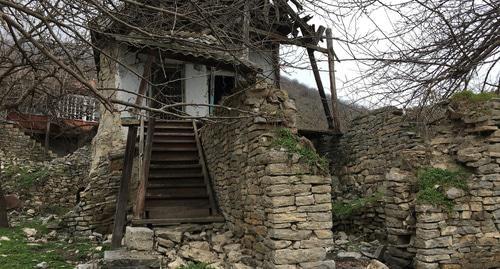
(122, 198)
(144, 176)
(288, 41)
(246, 28)
(333, 86)
(321, 89)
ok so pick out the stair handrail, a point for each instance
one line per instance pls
(213, 205)
(144, 175)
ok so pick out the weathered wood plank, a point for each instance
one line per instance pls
(143, 183)
(123, 192)
(321, 89)
(333, 86)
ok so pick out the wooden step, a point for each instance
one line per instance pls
(191, 202)
(167, 134)
(174, 176)
(175, 166)
(170, 221)
(173, 141)
(186, 181)
(176, 212)
(177, 184)
(175, 156)
(177, 193)
(174, 149)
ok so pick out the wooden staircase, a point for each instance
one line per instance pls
(178, 187)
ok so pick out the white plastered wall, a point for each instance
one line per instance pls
(196, 89)
(264, 60)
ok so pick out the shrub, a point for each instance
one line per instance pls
(343, 210)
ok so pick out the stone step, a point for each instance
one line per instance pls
(124, 259)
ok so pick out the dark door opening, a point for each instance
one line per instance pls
(223, 86)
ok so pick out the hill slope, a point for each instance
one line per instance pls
(310, 109)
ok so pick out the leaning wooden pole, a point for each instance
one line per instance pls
(333, 87)
(321, 89)
(123, 192)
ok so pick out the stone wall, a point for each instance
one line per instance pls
(468, 236)
(277, 204)
(384, 150)
(96, 208)
(48, 184)
(361, 160)
(15, 144)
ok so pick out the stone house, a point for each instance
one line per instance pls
(185, 171)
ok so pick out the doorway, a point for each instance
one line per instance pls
(167, 89)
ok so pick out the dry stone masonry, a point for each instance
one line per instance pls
(384, 150)
(48, 184)
(16, 145)
(96, 208)
(278, 205)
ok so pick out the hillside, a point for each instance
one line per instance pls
(310, 108)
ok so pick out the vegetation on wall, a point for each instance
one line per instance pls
(471, 97)
(197, 265)
(343, 210)
(433, 182)
(292, 143)
(26, 178)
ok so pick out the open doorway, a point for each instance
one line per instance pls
(223, 86)
(168, 89)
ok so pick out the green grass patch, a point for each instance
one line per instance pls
(344, 210)
(291, 142)
(432, 183)
(19, 253)
(470, 96)
(195, 265)
(26, 178)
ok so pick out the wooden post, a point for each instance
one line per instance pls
(123, 192)
(246, 30)
(321, 89)
(143, 181)
(47, 136)
(333, 87)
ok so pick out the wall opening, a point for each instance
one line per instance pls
(167, 88)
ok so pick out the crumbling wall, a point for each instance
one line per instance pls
(48, 184)
(468, 235)
(18, 146)
(384, 150)
(279, 205)
(361, 161)
(96, 208)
